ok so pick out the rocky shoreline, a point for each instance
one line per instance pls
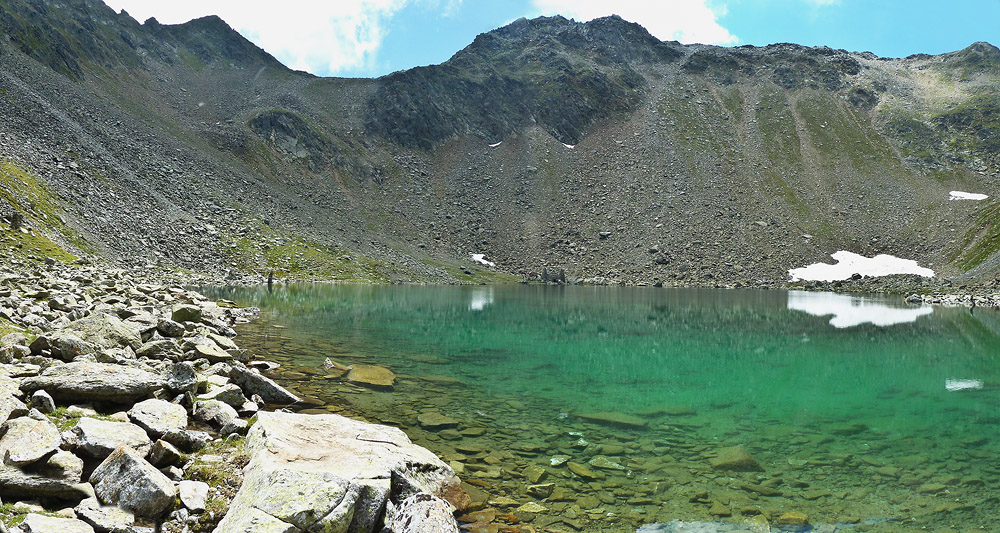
(125, 405)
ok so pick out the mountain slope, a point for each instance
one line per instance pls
(621, 158)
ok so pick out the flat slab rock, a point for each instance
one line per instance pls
(371, 376)
(36, 523)
(609, 418)
(328, 471)
(95, 381)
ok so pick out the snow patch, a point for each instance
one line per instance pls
(570, 146)
(481, 259)
(849, 263)
(850, 311)
(494, 145)
(959, 195)
(953, 385)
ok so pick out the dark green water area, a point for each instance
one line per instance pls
(615, 409)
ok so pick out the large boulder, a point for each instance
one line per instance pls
(106, 330)
(98, 438)
(332, 470)
(125, 479)
(27, 440)
(158, 416)
(95, 381)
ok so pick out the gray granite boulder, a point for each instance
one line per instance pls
(26, 440)
(63, 465)
(329, 469)
(188, 440)
(229, 394)
(106, 330)
(158, 416)
(216, 413)
(95, 381)
(104, 518)
(185, 313)
(253, 383)
(17, 484)
(424, 513)
(98, 438)
(36, 523)
(125, 479)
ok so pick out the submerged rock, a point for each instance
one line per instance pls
(434, 420)
(735, 458)
(371, 376)
(609, 418)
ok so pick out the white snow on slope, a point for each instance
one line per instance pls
(494, 145)
(570, 146)
(849, 263)
(959, 195)
(481, 259)
(850, 311)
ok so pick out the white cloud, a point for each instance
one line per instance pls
(687, 21)
(322, 37)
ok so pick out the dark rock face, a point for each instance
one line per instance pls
(551, 71)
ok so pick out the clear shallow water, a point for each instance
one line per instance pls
(856, 425)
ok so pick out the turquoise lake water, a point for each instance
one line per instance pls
(863, 414)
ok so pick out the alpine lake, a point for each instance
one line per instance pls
(650, 409)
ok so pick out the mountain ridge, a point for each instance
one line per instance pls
(621, 158)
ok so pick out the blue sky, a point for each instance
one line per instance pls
(365, 38)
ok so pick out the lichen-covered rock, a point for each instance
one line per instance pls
(95, 381)
(65, 466)
(372, 461)
(17, 484)
(106, 330)
(311, 501)
(27, 440)
(36, 523)
(159, 349)
(158, 416)
(163, 454)
(229, 394)
(98, 438)
(125, 479)
(42, 401)
(424, 513)
(188, 440)
(186, 313)
(104, 518)
(215, 412)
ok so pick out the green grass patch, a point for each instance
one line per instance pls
(980, 241)
(29, 196)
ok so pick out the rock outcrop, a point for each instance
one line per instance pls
(318, 471)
